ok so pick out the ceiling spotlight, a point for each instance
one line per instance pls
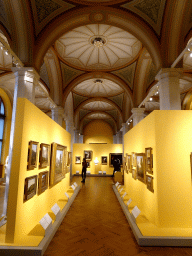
(130, 120)
(6, 52)
(190, 54)
(151, 99)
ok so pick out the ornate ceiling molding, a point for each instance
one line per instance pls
(45, 11)
(113, 17)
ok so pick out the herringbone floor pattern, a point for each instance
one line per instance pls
(95, 225)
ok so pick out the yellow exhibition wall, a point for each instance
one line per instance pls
(169, 133)
(98, 151)
(32, 124)
(98, 131)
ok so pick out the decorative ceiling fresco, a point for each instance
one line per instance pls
(103, 54)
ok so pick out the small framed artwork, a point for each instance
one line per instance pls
(140, 160)
(77, 159)
(134, 174)
(88, 164)
(104, 160)
(69, 158)
(44, 155)
(33, 155)
(149, 182)
(191, 164)
(124, 164)
(115, 156)
(58, 163)
(129, 163)
(30, 187)
(133, 159)
(88, 154)
(149, 160)
(43, 182)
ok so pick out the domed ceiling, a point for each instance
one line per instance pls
(97, 47)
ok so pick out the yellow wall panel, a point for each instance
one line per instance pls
(169, 134)
(32, 124)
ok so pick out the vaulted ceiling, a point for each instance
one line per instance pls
(102, 55)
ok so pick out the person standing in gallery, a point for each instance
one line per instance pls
(84, 169)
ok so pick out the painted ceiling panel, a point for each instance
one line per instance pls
(127, 74)
(118, 100)
(82, 113)
(68, 74)
(151, 11)
(77, 99)
(44, 75)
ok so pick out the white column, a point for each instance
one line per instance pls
(81, 139)
(57, 115)
(169, 89)
(124, 129)
(25, 80)
(115, 139)
(138, 115)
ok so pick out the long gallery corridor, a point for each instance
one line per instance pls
(95, 225)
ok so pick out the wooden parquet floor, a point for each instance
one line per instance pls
(95, 225)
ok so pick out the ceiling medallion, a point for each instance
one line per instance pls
(98, 82)
(98, 41)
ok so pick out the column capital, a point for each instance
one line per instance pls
(138, 111)
(169, 73)
(28, 72)
(58, 109)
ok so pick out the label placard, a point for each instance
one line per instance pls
(120, 190)
(55, 209)
(117, 183)
(136, 212)
(129, 201)
(124, 194)
(67, 195)
(73, 187)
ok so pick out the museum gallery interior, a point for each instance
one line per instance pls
(102, 80)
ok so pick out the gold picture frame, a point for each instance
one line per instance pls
(140, 167)
(149, 183)
(43, 182)
(88, 154)
(129, 169)
(44, 155)
(149, 160)
(32, 155)
(113, 156)
(134, 173)
(69, 158)
(58, 163)
(30, 187)
(104, 160)
(133, 159)
(77, 159)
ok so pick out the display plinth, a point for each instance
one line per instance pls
(162, 237)
(44, 241)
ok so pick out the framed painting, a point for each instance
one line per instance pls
(114, 156)
(58, 163)
(30, 187)
(32, 155)
(129, 163)
(124, 164)
(149, 160)
(43, 182)
(133, 159)
(44, 155)
(134, 173)
(88, 154)
(140, 166)
(149, 182)
(104, 160)
(77, 159)
(69, 158)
